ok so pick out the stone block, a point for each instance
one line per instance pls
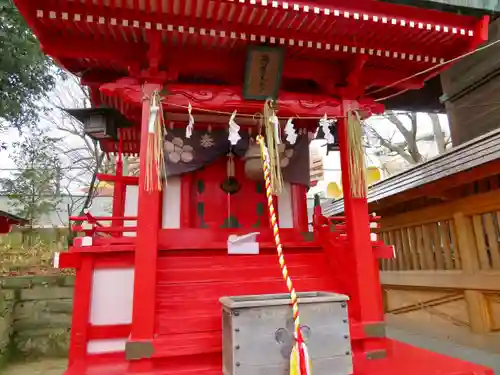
(5, 334)
(32, 309)
(5, 304)
(64, 306)
(8, 295)
(27, 309)
(18, 282)
(23, 282)
(35, 316)
(42, 332)
(67, 280)
(5, 330)
(46, 281)
(42, 293)
(41, 321)
(32, 344)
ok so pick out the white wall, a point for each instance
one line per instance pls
(111, 304)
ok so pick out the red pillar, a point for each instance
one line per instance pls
(299, 207)
(81, 309)
(186, 199)
(146, 251)
(119, 188)
(366, 299)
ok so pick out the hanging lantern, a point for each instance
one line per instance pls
(100, 123)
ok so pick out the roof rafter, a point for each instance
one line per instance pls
(131, 20)
(369, 11)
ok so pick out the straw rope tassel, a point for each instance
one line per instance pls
(155, 162)
(272, 140)
(357, 167)
(299, 359)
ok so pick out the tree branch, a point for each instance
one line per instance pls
(439, 135)
(410, 136)
(392, 117)
(391, 146)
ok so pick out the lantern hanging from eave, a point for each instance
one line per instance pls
(100, 123)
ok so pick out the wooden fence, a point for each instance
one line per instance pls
(447, 261)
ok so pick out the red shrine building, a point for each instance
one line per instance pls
(8, 220)
(149, 279)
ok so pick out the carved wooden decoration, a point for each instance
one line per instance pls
(263, 73)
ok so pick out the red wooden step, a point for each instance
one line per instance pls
(116, 364)
(401, 359)
(123, 369)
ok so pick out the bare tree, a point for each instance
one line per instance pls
(409, 148)
(439, 135)
(81, 155)
(80, 151)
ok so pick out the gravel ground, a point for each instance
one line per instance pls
(44, 367)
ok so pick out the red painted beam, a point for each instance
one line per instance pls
(108, 331)
(69, 260)
(178, 239)
(383, 251)
(226, 98)
(103, 218)
(112, 229)
(225, 65)
(126, 180)
(123, 257)
(102, 249)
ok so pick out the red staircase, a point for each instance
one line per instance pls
(188, 312)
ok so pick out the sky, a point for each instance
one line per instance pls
(66, 94)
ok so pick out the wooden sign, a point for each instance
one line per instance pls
(316, 170)
(263, 73)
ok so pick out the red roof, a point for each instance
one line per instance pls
(7, 220)
(333, 49)
(324, 40)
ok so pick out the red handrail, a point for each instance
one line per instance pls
(104, 218)
(78, 228)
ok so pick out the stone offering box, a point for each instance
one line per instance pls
(257, 333)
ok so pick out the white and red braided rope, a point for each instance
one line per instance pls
(303, 360)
